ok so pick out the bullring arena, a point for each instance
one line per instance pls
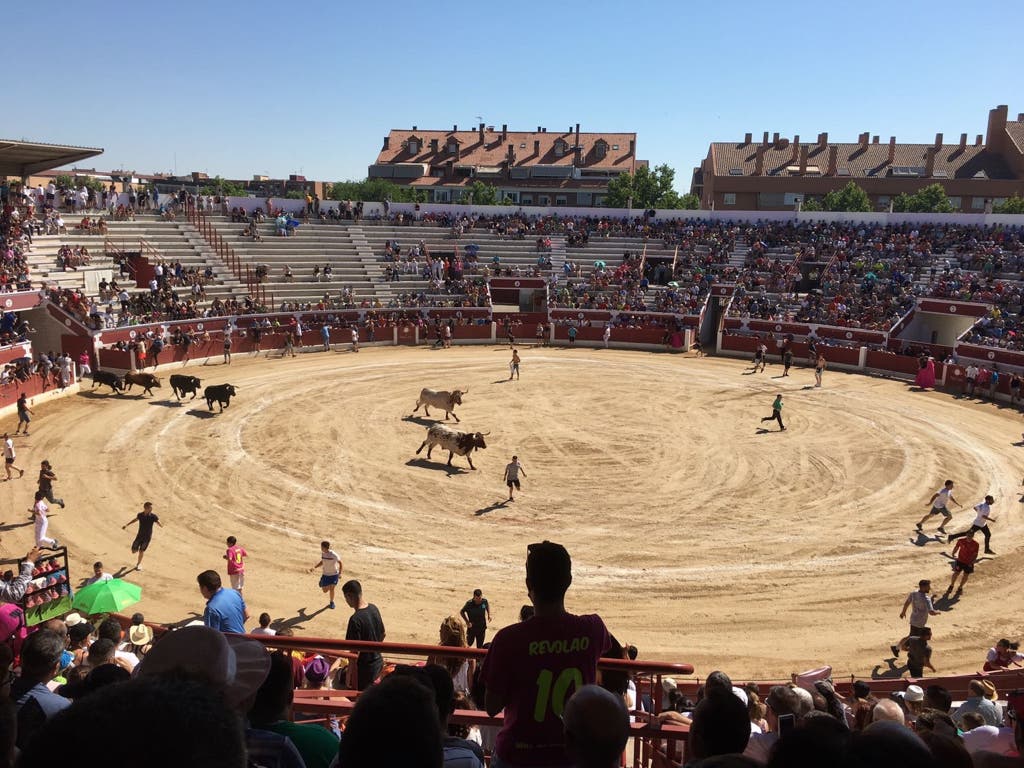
(697, 535)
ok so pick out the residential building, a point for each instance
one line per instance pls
(774, 174)
(527, 167)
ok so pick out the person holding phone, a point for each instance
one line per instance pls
(784, 712)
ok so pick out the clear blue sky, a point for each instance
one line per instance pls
(236, 88)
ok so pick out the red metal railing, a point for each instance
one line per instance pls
(244, 272)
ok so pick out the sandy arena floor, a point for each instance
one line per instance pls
(695, 534)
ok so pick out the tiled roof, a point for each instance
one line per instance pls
(1015, 129)
(859, 161)
(493, 151)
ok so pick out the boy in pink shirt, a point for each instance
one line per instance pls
(236, 566)
(533, 667)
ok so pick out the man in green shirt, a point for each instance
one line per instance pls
(272, 712)
(776, 413)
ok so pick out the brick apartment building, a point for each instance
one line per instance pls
(527, 167)
(771, 174)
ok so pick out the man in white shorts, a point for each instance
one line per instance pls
(939, 505)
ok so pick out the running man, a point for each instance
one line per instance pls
(607, 334)
(355, 338)
(331, 565)
(922, 609)
(24, 413)
(513, 366)
(983, 516)
(46, 478)
(759, 357)
(146, 520)
(965, 553)
(512, 470)
(9, 456)
(39, 510)
(787, 361)
(819, 368)
(776, 413)
(939, 505)
(235, 556)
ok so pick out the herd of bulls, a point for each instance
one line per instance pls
(180, 385)
(451, 440)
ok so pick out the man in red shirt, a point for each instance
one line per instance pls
(235, 556)
(533, 667)
(964, 553)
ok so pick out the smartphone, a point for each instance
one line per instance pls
(786, 724)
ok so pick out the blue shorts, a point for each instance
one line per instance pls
(328, 581)
(23, 416)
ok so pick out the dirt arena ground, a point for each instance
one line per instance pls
(697, 535)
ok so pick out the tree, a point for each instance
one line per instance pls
(1013, 204)
(218, 186)
(482, 194)
(643, 189)
(849, 198)
(690, 202)
(811, 205)
(376, 190)
(930, 199)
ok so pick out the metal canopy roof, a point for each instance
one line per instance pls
(23, 158)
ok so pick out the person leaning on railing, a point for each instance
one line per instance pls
(13, 591)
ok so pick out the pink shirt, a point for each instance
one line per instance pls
(235, 556)
(536, 666)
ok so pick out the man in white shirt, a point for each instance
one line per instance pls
(264, 627)
(331, 564)
(9, 457)
(981, 520)
(922, 609)
(939, 505)
(98, 574)
(970, 376)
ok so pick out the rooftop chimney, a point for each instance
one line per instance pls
(433, 146)
(632, 146)
(996, 126)
(892, 150)
(978, 139)
(387, 142)
(511, 157)
(1020, 117)
(874, 139)
(747, 138)
(504, 131)
(803, 158)
(938, 140)
(538, 129)
(833, 157)
(775, 138)
(796, 149)
(929, 161)
(759, 161)
(480, 132)
(536, 147)
(863, 138)
(963, 140)
(822, 139)
(414, 127)
(764, 141)
(455, 128)
(577, 135)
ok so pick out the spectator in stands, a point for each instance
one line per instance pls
(782, 700)
(453, 635)
(369, 738)
(264, 627)
(34, 701)
(225, 608)
(979, 701)
(272, 711)
(721, 725)
(523, 683)
(596, 727)
(887, 709)
(151, 722)
(231, 666)
(13, 591)
(111, 630)
(365, 623)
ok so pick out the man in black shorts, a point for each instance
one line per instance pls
(477, 613)
(145, 519)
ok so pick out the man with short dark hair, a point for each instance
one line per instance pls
(721, 725)
(477, 614)
(225, 608)
(597, 728)
(920, 605)
(98, 574)
(534, 666)
(111, 630)
(919, 653)
(35, 703)
(365, 623)
(146, 520)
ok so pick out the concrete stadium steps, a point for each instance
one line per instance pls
(311, 245)
(42, 262)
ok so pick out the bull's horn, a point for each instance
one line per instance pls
(485, 433)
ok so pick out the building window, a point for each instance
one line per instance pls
(729, 198)
(584, 198)
(560, 147)
(526, 200)
(955, 203)
(543, 200)
(600, 148)
(452, 147)
(442, 195)
(978, 203)
(560, 200)
(510, 195)
(414, 146)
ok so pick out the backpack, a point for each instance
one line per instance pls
(13, 629)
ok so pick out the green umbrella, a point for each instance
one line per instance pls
(106, 597)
